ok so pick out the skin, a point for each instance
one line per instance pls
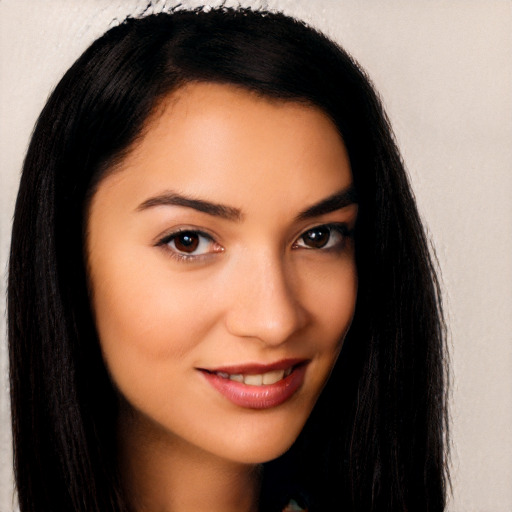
(254, 290)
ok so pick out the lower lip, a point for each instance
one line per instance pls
(258, 397)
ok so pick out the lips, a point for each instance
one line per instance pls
(257, 386)
(258, 379)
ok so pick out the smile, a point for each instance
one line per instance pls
(258, 386)
(260, 379)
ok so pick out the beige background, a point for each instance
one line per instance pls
(444, 69)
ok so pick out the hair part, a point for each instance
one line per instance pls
(377, 437)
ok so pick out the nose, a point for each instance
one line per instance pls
(265, 304)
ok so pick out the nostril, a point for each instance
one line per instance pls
(270, 320)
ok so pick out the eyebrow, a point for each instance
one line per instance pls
(337, 201)
(173, 199)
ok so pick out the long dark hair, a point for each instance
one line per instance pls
(376, 440)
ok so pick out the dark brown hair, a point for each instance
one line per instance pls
(376, 441)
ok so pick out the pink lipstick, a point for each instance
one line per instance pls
(258, 386)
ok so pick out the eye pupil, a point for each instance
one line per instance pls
(186, 242)
(317, 237)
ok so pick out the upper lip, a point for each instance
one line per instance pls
(257, 368)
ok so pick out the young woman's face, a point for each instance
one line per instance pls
(222, 269)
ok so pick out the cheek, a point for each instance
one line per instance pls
(332, 301)
(145, 317)
(331, 297)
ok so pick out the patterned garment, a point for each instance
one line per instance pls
(294, 507)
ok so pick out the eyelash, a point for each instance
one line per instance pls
(184, 257)
(341, 229)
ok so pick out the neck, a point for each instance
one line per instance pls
(164, 474)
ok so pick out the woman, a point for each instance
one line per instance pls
(204, 196)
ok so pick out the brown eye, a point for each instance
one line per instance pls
(317, 238)
(190, 245)
(187, 241)
(327, 236)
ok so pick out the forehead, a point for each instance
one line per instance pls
(226, 144)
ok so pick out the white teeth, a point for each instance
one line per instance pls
(272, 377)
(258, 379)
(253, 380)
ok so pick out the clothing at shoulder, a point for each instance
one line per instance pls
(294, 507)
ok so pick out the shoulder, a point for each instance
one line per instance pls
(293, 507)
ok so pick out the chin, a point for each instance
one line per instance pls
(257, 446)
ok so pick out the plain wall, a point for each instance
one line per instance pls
(444, 70)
